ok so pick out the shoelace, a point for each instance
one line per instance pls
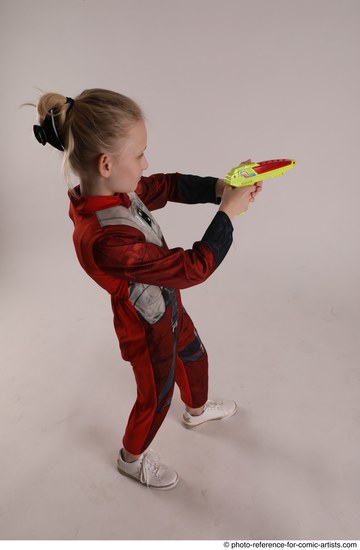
(150, 465)
(214, 405)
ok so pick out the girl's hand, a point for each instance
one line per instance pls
(221, 185)
(231, 203)
(235, 200)
(258, 189)
(258, 185)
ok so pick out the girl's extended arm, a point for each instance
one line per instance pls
(123, 253)
(156, 190)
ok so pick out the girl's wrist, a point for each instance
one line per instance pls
(228, 211)
(220, 186)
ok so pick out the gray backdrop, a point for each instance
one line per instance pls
(219, 82)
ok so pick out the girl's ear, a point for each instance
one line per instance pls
(104, 165)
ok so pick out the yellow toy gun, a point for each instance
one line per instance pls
(253, 172)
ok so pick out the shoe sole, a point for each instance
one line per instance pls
(164, 488)
(209, 420)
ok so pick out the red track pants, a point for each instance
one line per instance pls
(166, 355)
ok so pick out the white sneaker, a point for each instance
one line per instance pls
(213, 410)
(149, 471)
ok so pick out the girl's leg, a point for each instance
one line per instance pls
(192, 379)
(154, 369)
(192, 367)
(147, 414)
(153, 363)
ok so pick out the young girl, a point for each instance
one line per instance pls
(120, 245)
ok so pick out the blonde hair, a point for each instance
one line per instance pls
(92, 125)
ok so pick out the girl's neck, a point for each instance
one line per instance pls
(93, 188)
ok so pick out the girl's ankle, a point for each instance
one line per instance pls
(128, 457)
(195, 412)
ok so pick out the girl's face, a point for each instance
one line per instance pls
(128, 166)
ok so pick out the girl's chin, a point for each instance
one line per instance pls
(129, 189)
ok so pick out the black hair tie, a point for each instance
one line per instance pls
(48, 132)
(71, 104)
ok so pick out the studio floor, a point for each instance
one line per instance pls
(286, 466)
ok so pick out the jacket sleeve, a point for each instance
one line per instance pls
(122, 252)
(157, 189)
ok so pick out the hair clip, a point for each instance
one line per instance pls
(48, 132)
(40, 134)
